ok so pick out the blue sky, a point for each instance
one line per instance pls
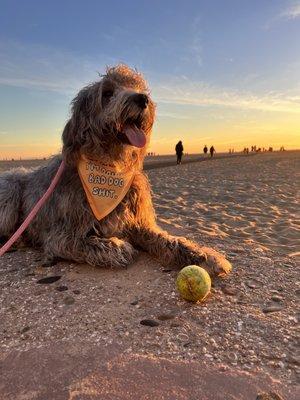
(222, 72)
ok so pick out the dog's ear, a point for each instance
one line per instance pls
(71, 145)
(84, 127)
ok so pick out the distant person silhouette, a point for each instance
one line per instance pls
(212, 151)
(179, 151)
(205, 150)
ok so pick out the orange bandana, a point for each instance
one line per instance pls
(104, 184)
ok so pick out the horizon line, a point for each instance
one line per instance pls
(45, 158)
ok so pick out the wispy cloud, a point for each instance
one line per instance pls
(162, 114)
(197, 50)
(44, 68)
(191, 50)
(291, 12)
(194, 49)
(41, 67)
(182, 91)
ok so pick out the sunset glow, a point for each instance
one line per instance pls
(228, 77)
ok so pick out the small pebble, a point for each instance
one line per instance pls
(232, 356)
(166, 317)
(272, 308)
(259, 249)
(280, 364)
(61, 288)
(288, 265)
(252, 284)
(48, 280)
(183, 337)
(149, 322)
(230, 291)
(25, 329)
(277, 299)
(69, 300)
(232, 254)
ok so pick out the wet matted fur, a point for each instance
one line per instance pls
(65, 227)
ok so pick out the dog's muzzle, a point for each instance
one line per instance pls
(140, 100)
(132, 130)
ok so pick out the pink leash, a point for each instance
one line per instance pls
(34, 211)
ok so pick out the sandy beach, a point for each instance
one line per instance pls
(245, 207)
(245, 199)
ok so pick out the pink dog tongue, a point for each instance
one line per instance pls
(135, 136)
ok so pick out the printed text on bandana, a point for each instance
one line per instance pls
(104, 185)
(107, 178)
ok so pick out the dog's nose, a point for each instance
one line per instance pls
(141, 100)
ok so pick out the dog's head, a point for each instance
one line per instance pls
(110, 119)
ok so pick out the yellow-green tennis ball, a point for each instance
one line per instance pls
(193, 283)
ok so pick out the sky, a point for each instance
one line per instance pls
(222, 72)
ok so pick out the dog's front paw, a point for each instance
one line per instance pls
(123, 252)
(215, 264)
(112, 252)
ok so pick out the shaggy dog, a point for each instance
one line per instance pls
(111, 120)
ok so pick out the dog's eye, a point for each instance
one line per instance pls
(107, 94)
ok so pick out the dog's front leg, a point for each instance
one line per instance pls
(99, 252)
(178, 252)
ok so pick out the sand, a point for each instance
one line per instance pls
(243, 206)
(248, 199)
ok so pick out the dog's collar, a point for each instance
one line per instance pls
(105, 184)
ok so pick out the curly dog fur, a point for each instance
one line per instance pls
(66, 227)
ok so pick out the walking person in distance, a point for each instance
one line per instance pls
(179, 151)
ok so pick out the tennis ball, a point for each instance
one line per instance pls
(193, 283)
